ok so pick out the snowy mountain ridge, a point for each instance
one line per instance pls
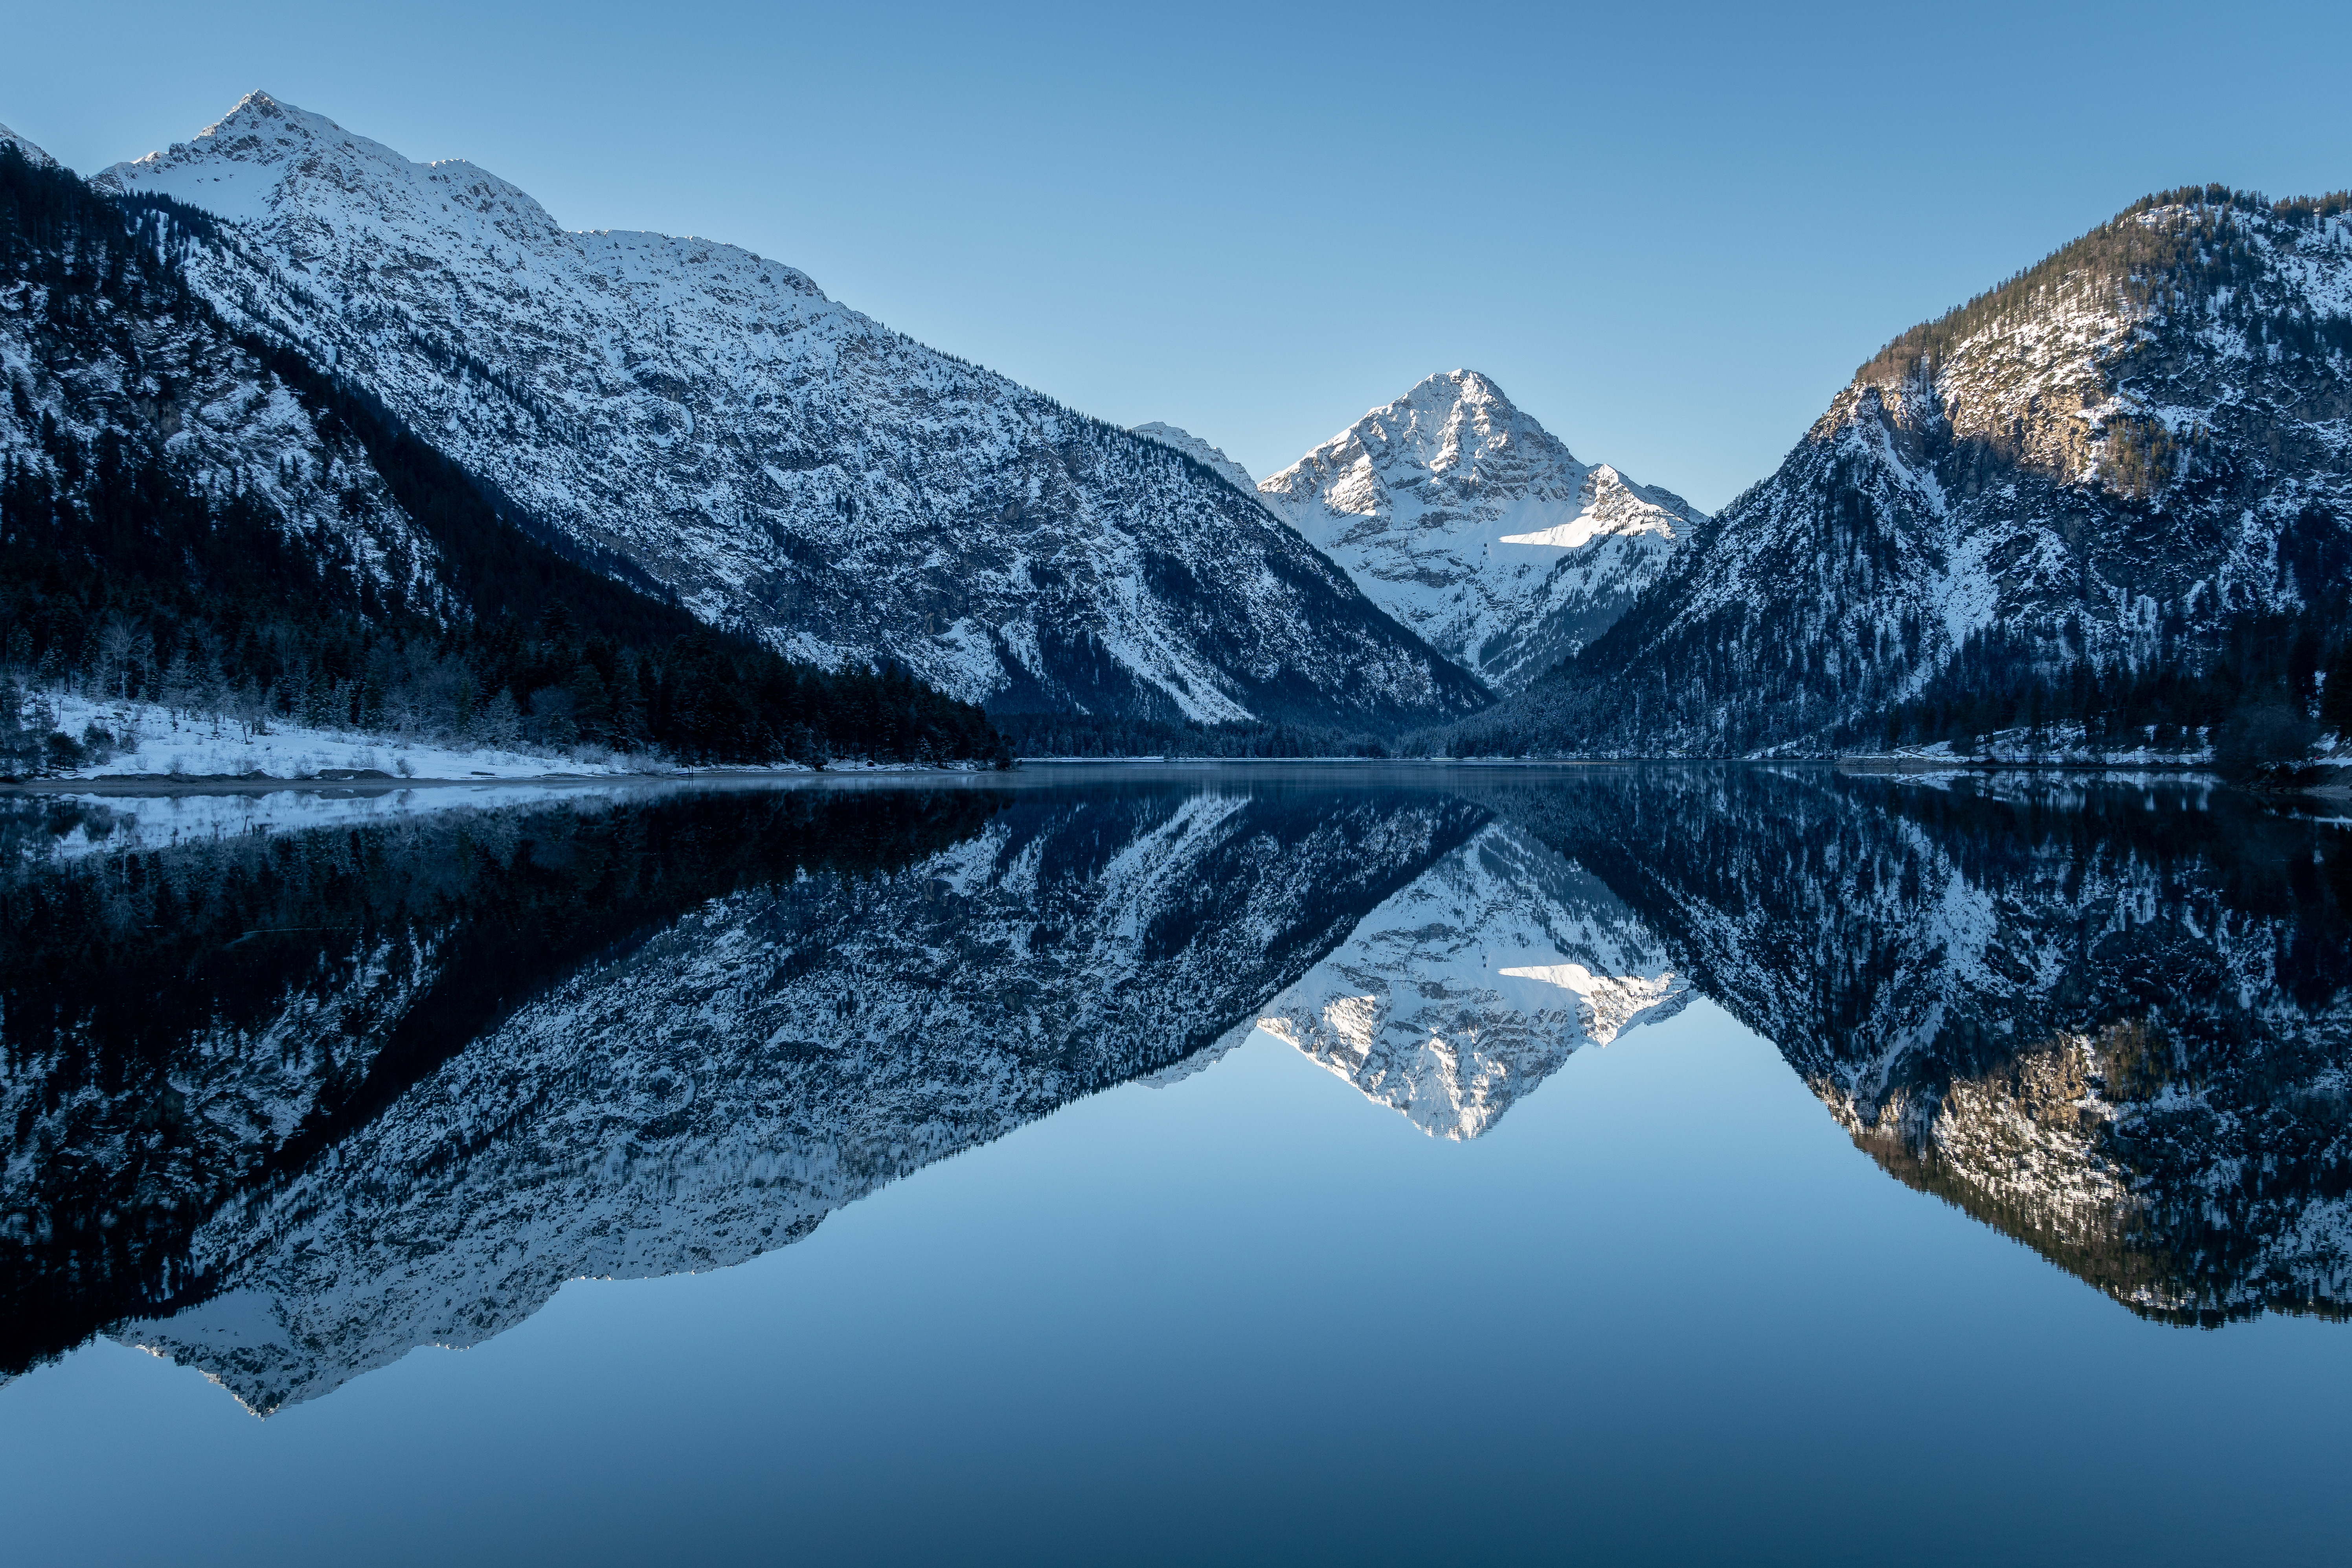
(10, 139)
(1201, 452)
(2097, 472)
(781, 462)
(1459, 514)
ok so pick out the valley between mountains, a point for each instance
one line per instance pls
(303, 438)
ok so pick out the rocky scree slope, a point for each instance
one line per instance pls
(1466, 520)
(782, 463)
(2127, 468)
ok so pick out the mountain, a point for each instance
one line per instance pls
(1464, 991)
(31, 153)
(196, 520)
(1201, 452)
(1465, 519)
(775, 461)
(2107, 503)
(102, 344)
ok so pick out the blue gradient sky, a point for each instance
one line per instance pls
(1670, 232)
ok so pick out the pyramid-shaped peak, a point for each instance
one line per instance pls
(260, 114)
(1460, 387)
(1456, 414)
(262, 106)
(266, 157)
(1450, 392)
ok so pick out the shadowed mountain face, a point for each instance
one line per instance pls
(284, 1102)
(2115, 480)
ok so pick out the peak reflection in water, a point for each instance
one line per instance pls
(285, 1105)
(646, 1039)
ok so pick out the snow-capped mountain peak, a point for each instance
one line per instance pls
(1461, 515)
(777, 461)
(264, 157)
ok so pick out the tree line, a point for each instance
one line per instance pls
(1088, 735)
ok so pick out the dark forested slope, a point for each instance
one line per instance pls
(2108, 503)
(193, 516)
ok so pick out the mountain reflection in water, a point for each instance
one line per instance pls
(284, 1102)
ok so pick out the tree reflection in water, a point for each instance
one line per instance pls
(286, 1104)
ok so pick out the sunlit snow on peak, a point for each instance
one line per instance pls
(1461, 516)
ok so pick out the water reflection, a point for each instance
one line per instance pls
(1470, 986)
(2112, 1020)
(285, 1101)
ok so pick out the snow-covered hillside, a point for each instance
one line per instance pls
(2090, 472)
(1470, 523)
(141, 365)
(776, 459)
(1201, 452)
(1467, 989)
(10, 139)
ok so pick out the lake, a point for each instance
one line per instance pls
(1169, 1164)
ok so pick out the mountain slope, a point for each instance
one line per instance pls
(777, 460)
(26, 150)
(1461, 516)
(195, 517)
(2115, 493)
(1201, 452)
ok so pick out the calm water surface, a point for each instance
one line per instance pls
(1198, 1164)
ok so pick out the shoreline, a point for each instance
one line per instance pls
(153, 785)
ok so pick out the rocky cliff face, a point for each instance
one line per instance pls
(776, 460)
(1471, 523)
(2105, 472)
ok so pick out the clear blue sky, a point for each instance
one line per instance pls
(1669, 232)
